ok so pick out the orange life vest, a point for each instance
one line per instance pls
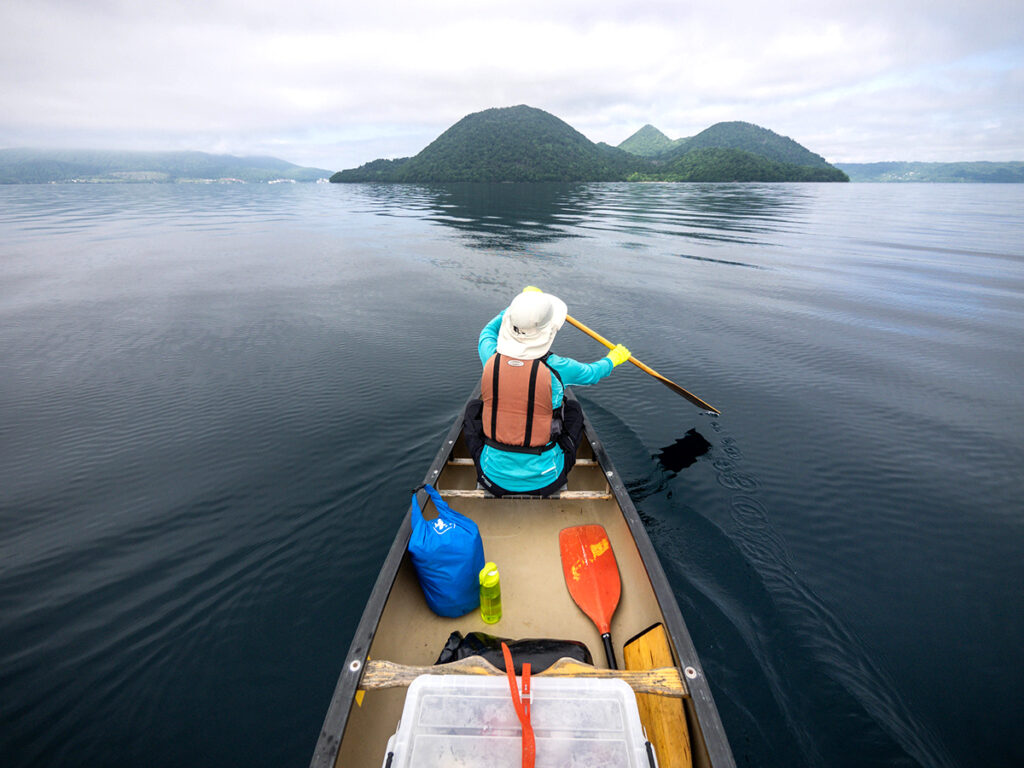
(517, 413)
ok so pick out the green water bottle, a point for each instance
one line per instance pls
(490, 594)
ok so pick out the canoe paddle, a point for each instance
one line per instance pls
(592, 577)
(663, 719)
(667, 382)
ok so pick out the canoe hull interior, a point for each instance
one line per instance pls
(521, 536)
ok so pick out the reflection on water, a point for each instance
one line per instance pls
(508, 217)
(514, 217)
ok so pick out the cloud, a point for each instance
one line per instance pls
(331, 85)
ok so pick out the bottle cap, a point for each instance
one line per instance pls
(489, 575)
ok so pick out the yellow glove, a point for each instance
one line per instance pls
(618, 355)
(532, 289)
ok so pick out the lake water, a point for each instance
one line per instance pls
(214, 401)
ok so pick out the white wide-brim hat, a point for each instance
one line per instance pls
(530, 324)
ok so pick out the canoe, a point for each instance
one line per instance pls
(521, 534)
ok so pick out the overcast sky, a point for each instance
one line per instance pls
(335, 83)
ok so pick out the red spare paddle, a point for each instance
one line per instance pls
(592, 577)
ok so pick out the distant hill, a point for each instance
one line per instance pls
(510, 144)
(983, 172)
(649, 142)
(32, 166)
(751, 138)
(527, 144)
(732, 151)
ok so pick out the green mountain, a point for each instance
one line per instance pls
(751, 138)
(979, 172)
(32, 166)
(649, 142)
(510, 144)
(527, 144)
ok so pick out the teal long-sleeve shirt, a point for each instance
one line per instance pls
(526, 471)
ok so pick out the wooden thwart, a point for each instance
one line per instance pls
(665, 681)
(479, 493)
(464, 462)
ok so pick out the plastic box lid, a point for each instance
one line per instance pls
(465, 721)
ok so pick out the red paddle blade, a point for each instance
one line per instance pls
(591, 573)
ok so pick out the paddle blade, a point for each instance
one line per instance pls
(688, 395)
(664, 719)
(591, 573)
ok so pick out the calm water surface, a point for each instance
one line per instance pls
(215, 400)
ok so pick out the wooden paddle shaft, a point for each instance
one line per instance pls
(646, 369)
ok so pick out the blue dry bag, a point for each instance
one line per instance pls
(448, 555)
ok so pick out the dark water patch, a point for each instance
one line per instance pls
(719, 261)
(684, 452)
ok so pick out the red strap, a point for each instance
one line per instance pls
(526, 690)
(522, 706)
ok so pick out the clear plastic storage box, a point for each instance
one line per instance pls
(469, 722)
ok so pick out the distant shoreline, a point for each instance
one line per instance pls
(902, 172)
(33, 166)
(20, 166)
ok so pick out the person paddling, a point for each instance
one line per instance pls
(523, 432)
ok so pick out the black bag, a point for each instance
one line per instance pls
(541, 653)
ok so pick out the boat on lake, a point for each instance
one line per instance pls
(522, 535)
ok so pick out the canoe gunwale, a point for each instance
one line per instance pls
(716, 742)
(711, 731)
(333, 729)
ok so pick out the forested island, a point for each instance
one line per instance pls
(527, 144)
(34, 166)
(513, 144)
